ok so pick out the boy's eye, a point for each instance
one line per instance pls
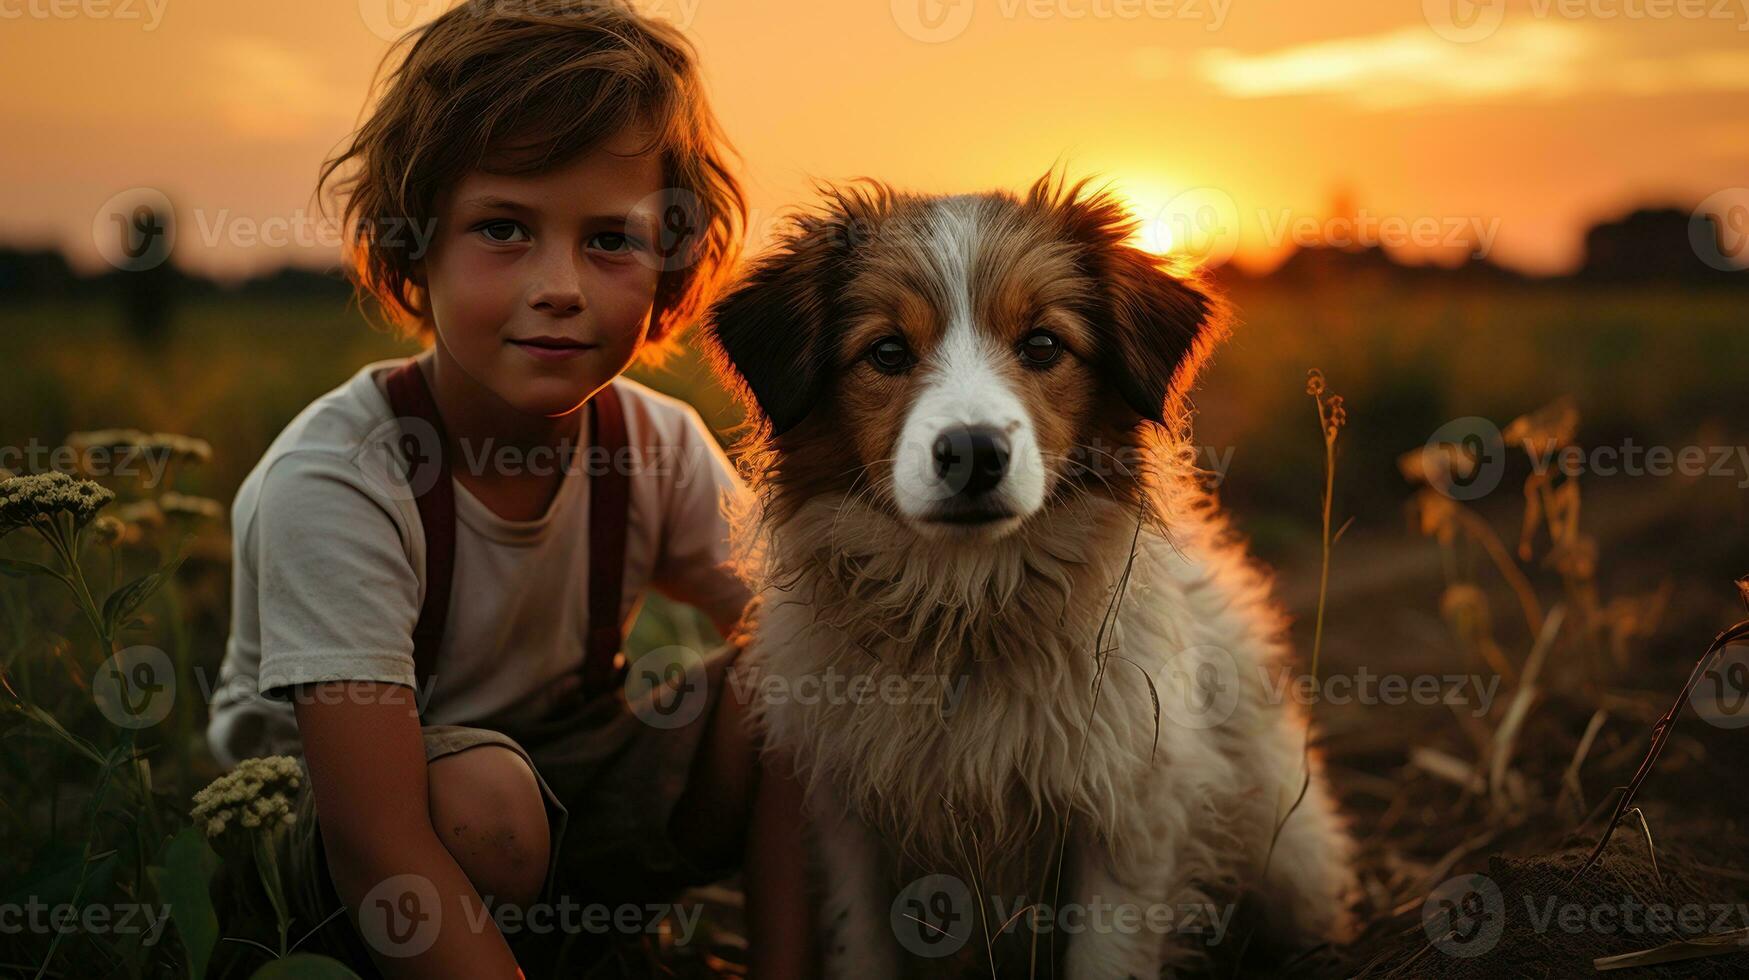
(503, 232)
(611, 241)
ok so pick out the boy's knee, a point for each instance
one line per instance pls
(487, 808)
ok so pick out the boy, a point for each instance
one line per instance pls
(432, 569)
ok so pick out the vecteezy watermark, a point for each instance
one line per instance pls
(835, 687)
(1721, 695)
(1364, 687)
(391, 19)
(148, 13)
(934, 916)
(33, 916)
(1200, 687)
(570, 917)
(1467, 916)
(1203, 224)
(147, 463)
(136, 687)
(1465, 459)
(667, 687)
(301, 229)
(1199, 223)
(1368, 229)
(401, 458)
(1719, 229)
(938, 21)
(403, 915)
(135, 229)
(1466, 21)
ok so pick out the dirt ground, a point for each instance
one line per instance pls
(1465, 879)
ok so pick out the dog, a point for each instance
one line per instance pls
(974, 502)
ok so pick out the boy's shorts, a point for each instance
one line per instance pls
(611, 775)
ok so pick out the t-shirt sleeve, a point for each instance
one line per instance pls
(695, 564)
(338, 596)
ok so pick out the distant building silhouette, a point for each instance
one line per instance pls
(27, 274)
(1652, 245)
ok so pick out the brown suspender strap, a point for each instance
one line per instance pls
(430, 477)
(609, 508)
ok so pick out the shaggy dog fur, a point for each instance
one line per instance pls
(1055, 689)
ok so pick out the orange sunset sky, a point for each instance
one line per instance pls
(1525, 120)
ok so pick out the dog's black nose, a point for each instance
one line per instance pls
(972, 459)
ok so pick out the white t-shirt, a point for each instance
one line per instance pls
(329, 569)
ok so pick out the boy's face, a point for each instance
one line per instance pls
(541, 285)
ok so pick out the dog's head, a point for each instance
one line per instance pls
(960, 362)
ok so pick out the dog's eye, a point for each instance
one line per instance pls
(1041, 347)
(889, 354)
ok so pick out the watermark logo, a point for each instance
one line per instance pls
(136, 687)
(135, 230)
(1465, 916)
(1719, 230)
(401, 916)
(1469, 455)
(390, 19)
(933, 21)
(677, 218)
(567, 916)
(1200, 223)
(937, 21)
(37, 917)
(667, 687)
(932, 917)
(1721, 695)
(1464, 21)
(401, 458)
(150, 13)
(1199, 687)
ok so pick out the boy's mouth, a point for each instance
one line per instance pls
(551, 348)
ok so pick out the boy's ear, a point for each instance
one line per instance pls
(1155, 328)
(772, 331)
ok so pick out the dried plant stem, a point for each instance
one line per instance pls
(1480, 531)
(1661, 730)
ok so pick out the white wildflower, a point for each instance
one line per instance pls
(257, 793)
(40, 500)
(184, 505)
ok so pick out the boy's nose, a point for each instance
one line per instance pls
(557, 302)
(557, 288)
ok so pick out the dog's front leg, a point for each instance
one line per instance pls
(1109, 926)
(856, 931)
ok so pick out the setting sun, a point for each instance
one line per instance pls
(1154, 234)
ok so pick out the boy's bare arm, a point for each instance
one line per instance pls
(367, 767)
(780, 905)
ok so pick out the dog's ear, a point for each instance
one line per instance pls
(1158, 329)
(1155, 328)
(772, 331)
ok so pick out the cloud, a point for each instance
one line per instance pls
(273, 92)
(1413, 66)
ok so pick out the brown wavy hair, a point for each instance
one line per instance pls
(522, 87)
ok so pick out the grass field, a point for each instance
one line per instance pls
(82, 822)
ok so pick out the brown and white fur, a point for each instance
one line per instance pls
(875, 552)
